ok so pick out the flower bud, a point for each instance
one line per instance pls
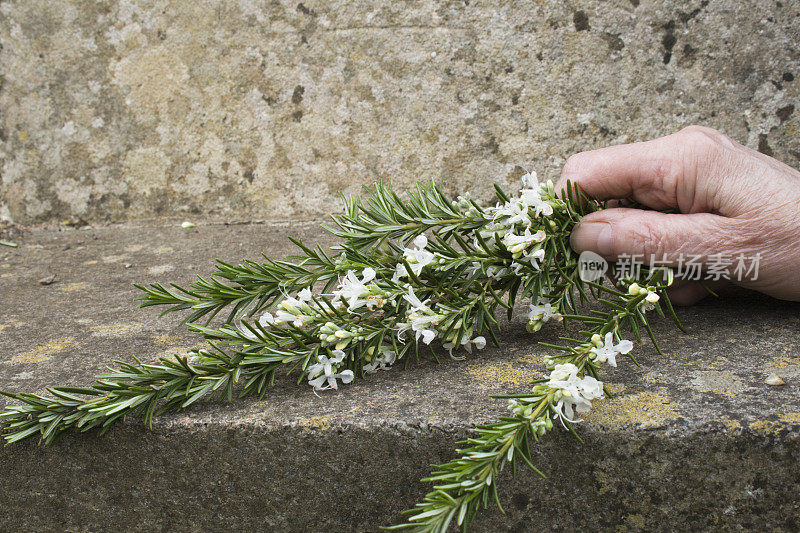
(533, 327)
(633, 290)
(652, 297)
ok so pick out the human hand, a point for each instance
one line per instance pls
(729, 200)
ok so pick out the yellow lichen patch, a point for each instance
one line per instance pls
(532, 358)
(603, 477)
(784, 362)
(790, 418)
(635, 521)
(730, 425)
(765, 427)
(167, 339)
(643, 409)
(2, 327)
(115, 330)
(72, 287)
(316, 422)
(43, 352)
(134, 248)
(492, 374)
(162, 249)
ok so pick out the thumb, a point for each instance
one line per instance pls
(665, 238)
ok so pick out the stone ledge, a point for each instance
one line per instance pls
(693, 439)
(114, 111)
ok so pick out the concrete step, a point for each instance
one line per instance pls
(693, 439)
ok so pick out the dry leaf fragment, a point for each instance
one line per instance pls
(775, 380)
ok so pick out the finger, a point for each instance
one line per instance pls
(650, 235)
(661, 173)
(689, 293)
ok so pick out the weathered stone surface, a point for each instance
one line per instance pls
(115, 110)
(693, 440)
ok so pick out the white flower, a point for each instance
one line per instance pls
(353, 290)
(265, 321)
(282, 316)
(381, 362)
(419, 329)
(517, 243)
(420, 324)
(562, 372)
(591, 388)
(399, 272)
(576, 393)
(543, 311)
(304, 295)
(533, 200)
(535, 258)
(649, 302)
(530, 180)
(467, 343)
(322, 376)
(418, 258)
(420, 319)
(608, 352)
(416, 304)
(496, 272)
(540, 313)
(515, 210)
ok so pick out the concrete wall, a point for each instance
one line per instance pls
(113, 110)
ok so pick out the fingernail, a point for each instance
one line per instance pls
(594, 236)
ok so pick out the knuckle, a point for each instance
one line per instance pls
(700, 137)
(653, 240)
(705, 138)
(663, 173)
(647, 238)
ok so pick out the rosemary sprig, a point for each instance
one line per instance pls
(405, 272)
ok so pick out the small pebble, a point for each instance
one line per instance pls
(188, 224)
(775, 380)
(128, 265)
(48, 280)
